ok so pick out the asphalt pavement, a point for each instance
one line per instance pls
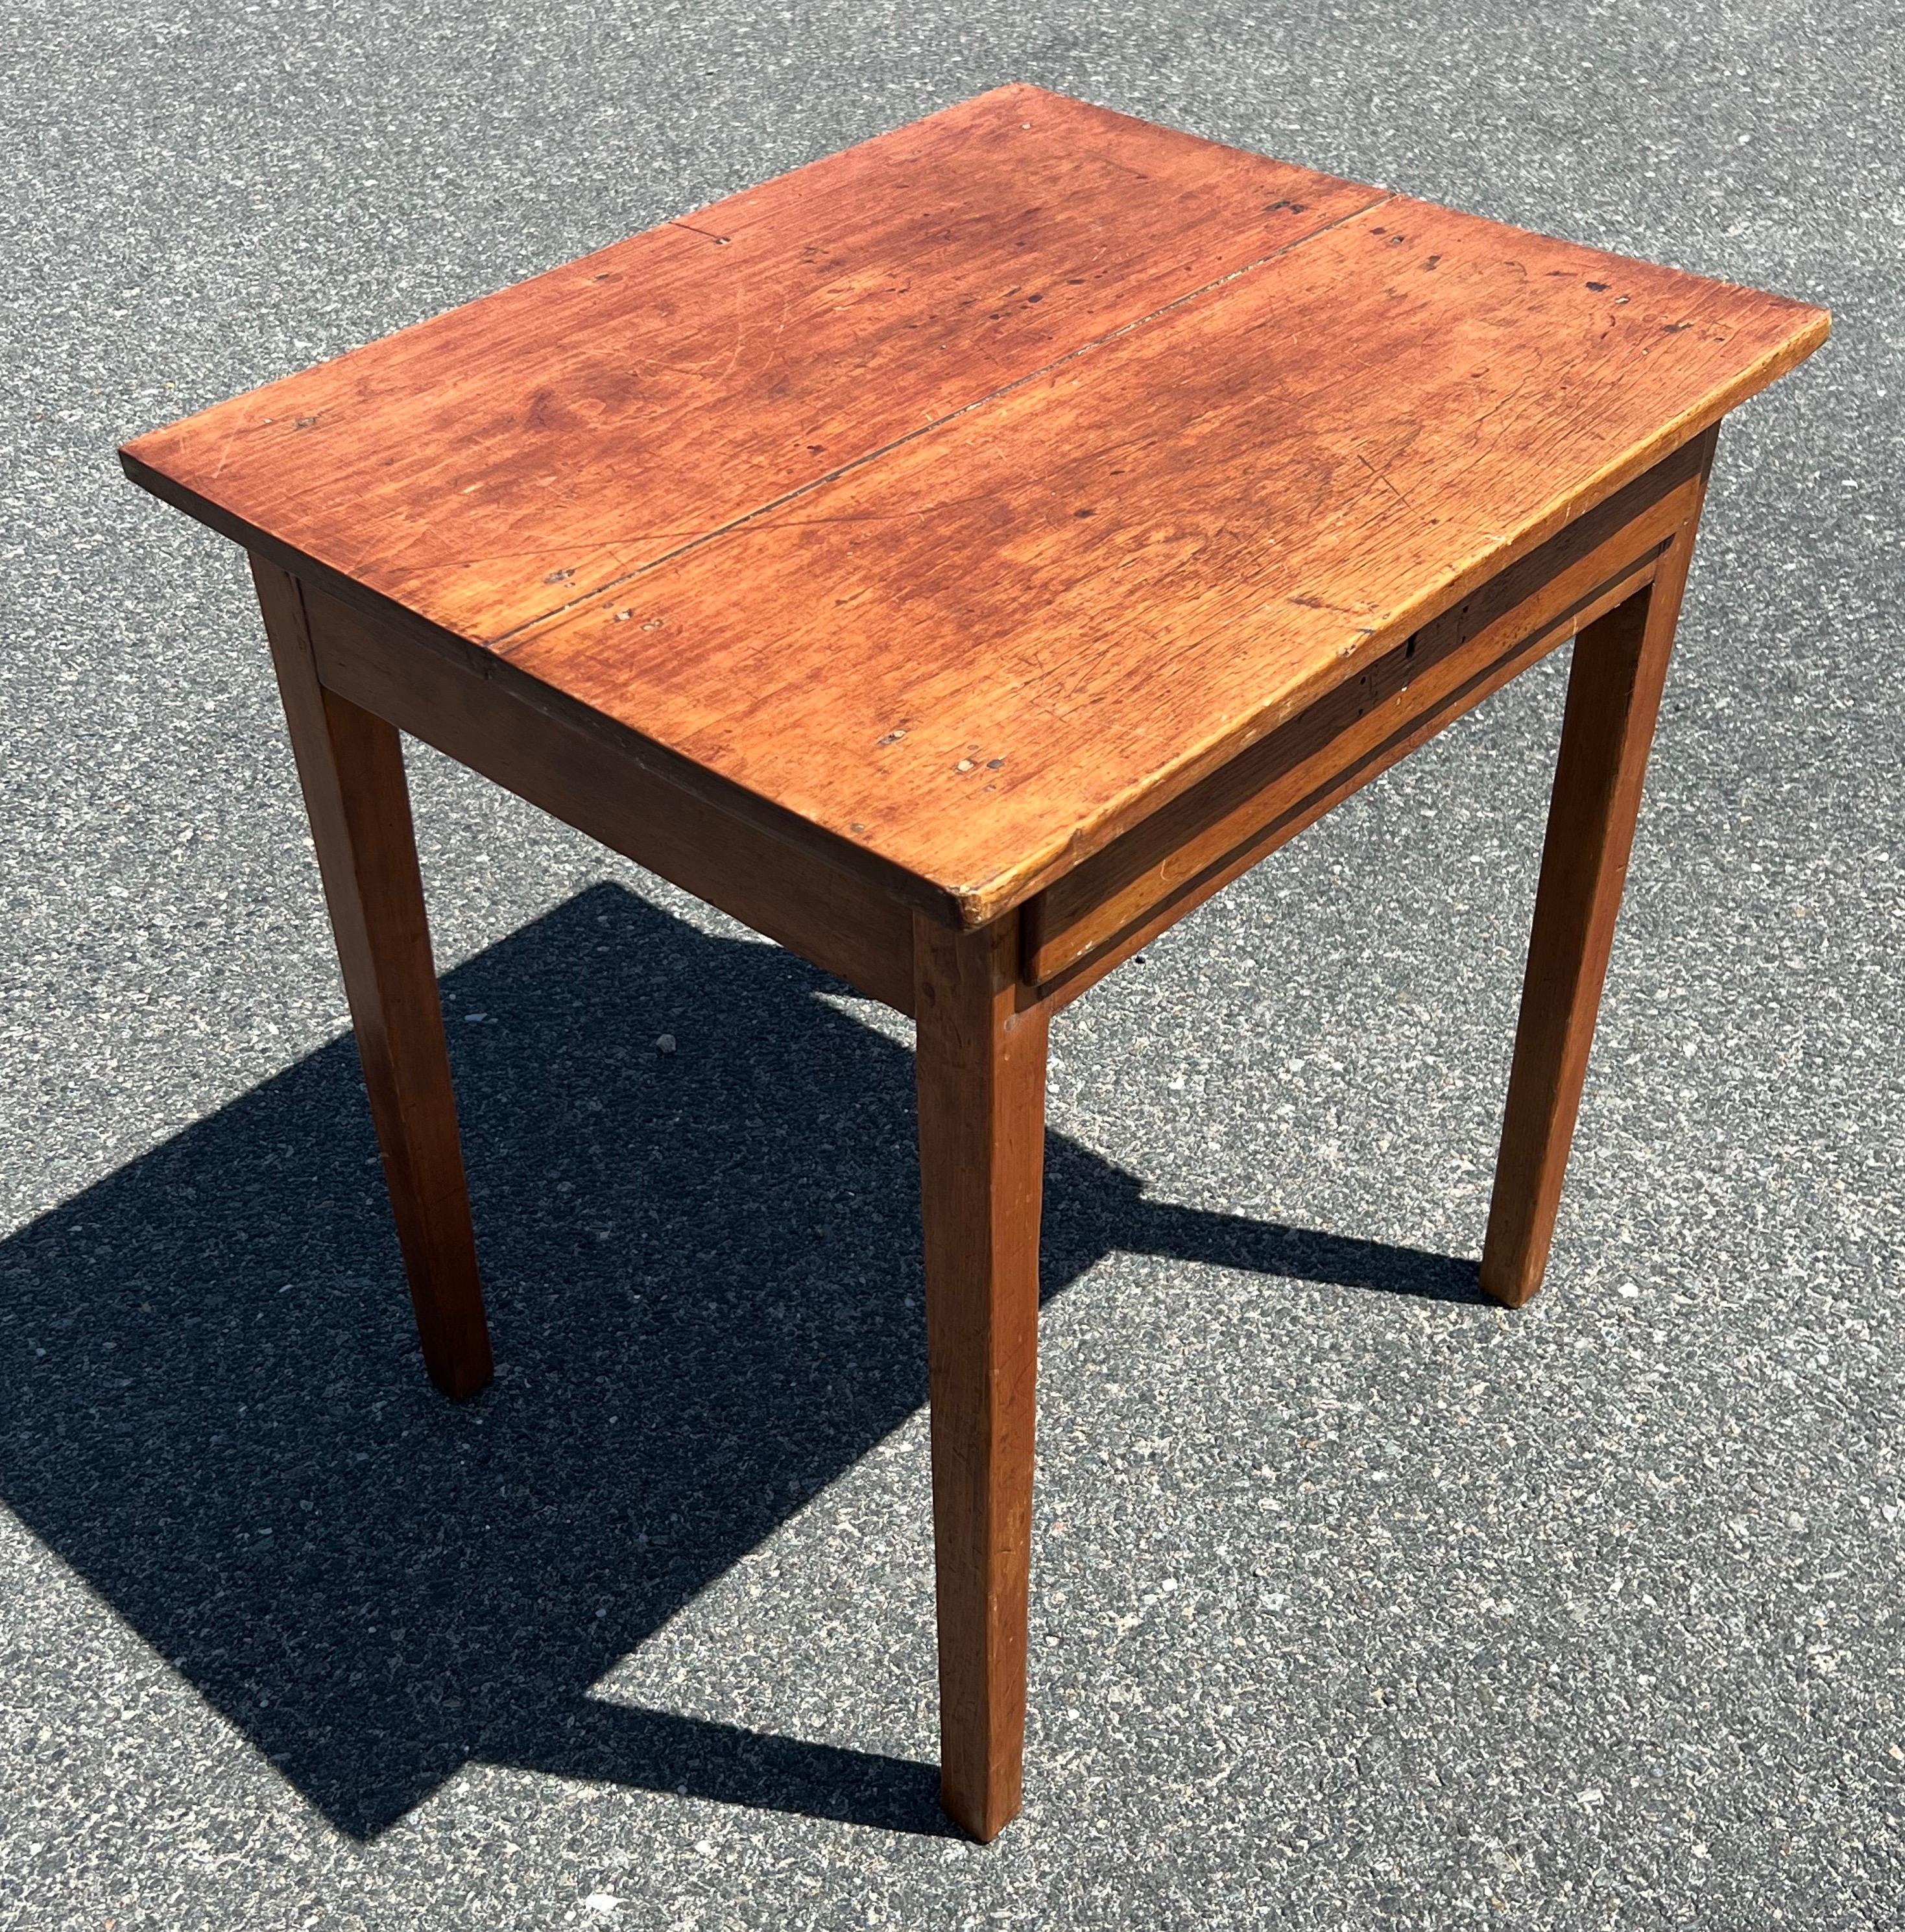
(1357, 1601)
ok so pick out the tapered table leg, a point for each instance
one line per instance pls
(982, 1071)
(351, 765)
(1613, 699)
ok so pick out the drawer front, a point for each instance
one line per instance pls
(1101, 911)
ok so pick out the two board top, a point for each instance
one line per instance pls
(952, 502)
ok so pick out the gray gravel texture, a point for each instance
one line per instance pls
(1357, 1602)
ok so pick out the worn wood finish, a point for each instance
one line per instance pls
(351, 766)
(575, 768)
(1614, 691)
(1266, 795)
(982, 1071)
(957, 559)
(1063, 572)
(986, 655)
(495, 463)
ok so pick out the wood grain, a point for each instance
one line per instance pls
(984, 657)
(957, 559)
(1614, 692)
(981, 1073)
(491, 465)
(964, 499)
(351, 766)
(575, 769)
(1265, 795)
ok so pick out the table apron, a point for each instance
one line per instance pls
(840, 924)
(1098, 915)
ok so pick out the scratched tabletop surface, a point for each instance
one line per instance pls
(1356, 1603)
(962, 496)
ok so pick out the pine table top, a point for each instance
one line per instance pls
(960, 499)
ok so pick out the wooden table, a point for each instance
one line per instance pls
(957, 559)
